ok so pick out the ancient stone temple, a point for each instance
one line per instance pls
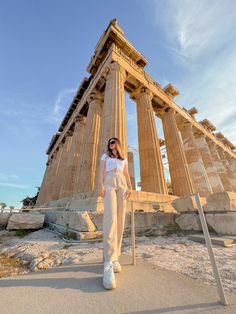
(199, 159)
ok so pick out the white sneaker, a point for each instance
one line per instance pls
(116, 267)
(109, 281)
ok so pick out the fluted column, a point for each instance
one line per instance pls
(229, 172)
(51, 175)
(232, 162)
(68, 185)
(87, 168)
(211, 170)
(180, 177)
(60, 170)
(43, 187)
(219, 165)
(151, 167)
(114, 112)
(196, 167)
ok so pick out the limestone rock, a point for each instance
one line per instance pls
(189, 221)
(224, 223)
(221, 201)
(187, 204)
(97, 219)
(4, 219)
(145, 219)
(90, 235)
(81, 221)
(25, 221)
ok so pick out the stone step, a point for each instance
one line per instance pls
(214, 239)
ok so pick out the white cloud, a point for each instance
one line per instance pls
(201, 38)
(61, 104)
(194, 28)
(6, 176)
(15, 185)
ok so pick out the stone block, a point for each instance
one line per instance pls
(90, 235)
(215, 240)
(220, 201)
(224, 223)
(145, 219)
(81, 221)
(4, 219)
(189, 221)
(187, 204)
(25, 221)
(165, 219)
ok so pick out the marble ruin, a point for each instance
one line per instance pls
(199, 158)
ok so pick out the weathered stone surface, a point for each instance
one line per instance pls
(166, 218)
(145, 220)
(187, 204)
(224, 223)
(4, 219)
(97, 219)
(151, 167)
(25, 221)
(180, 175)
(82, 221)
(221, 201)
(189, 222)
(90, 235)
(215, 240)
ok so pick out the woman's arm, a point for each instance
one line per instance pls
(127, 176)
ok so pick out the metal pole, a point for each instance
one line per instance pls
(133, 234)
(210, 250)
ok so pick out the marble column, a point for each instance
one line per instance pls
(51, 175)
(60, 169)
(87, 168)
(180, 177)
(219, 165)
(195, 164)
(229, 172)
(43, 190)
(151, 167)
(232, 162)
(69, 182)
(114, 111)
(211, 170)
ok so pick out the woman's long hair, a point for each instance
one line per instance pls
(118, 148)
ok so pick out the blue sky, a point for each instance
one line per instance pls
(46, 47)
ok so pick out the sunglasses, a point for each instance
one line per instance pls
(112, 142)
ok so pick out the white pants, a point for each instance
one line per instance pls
(114, 214)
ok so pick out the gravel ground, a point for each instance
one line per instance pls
(43, 249)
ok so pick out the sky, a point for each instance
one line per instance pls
(47, 45)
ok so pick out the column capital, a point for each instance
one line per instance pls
(137, 93)
(198, 133)
(184, 124)
(80, 118)
(210, 142)
(165, 110)
(95, 95)
(69, 133)
(115, 67)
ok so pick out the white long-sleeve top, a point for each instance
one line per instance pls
(112, 163)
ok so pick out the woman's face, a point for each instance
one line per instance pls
(112, 143)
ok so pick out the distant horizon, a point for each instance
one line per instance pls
(46, 47)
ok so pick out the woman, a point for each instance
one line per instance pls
(115, 187)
